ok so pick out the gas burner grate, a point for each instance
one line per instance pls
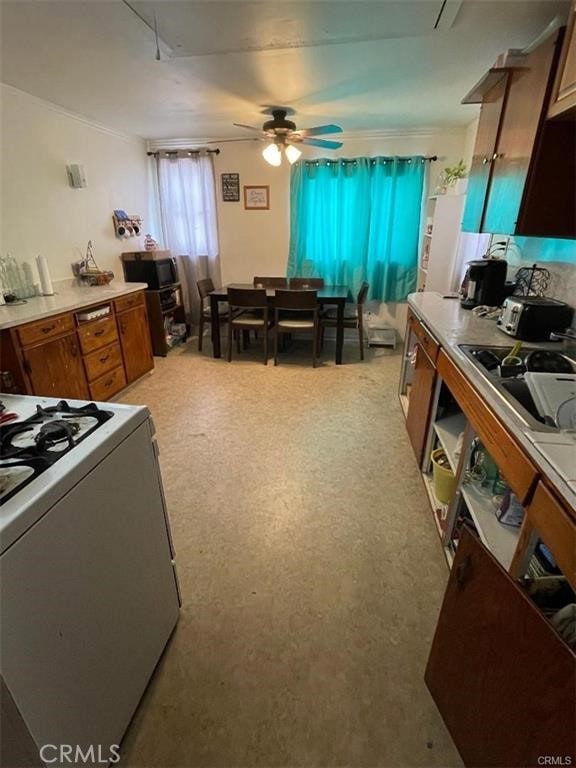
(65, 409)
(47, 435)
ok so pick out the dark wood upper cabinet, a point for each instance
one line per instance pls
(484, 150)
(135, 342)
(501, 677)
(527, 186)
(563, 99)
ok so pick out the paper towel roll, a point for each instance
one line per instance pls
(44, 272)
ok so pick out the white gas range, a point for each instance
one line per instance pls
(88, 589)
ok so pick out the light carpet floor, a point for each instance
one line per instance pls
(310, 569)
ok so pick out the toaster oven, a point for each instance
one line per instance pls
(533, 318)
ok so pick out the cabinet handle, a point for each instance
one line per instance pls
(109, 383)
(485, 160)
(100, 332)
(497, 155)
(121, 326)
(103, 359)
(74, 350)
(48, 328)
(27, 366)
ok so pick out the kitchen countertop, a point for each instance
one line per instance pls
(68, 297)
(553, 453)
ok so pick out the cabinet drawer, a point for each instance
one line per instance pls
(98, 334)
(427, 341)
(518, 470)
(556, 529)
(40, 330)
(107, 385)
(102, 360)
(129, 302)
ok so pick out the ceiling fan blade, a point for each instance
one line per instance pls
(322, 143)
(248, 127)
(320, 130)
(225, 141)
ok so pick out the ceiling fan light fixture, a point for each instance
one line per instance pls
(292, 153)
(272, 154)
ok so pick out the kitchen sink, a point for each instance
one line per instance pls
(513, 387)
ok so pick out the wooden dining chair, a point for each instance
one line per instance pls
(248, 311)
(270, 282)
(205, 288)
(296, 311)
(353, 318)
(306, 283)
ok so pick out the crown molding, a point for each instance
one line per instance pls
(395, 133)
(152, 145)
(72, 115)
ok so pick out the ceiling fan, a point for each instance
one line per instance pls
(282, 133)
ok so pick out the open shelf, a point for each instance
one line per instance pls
(437, 508)
(171, 309)
(436, 505)
(175, 341)
(404, 404)
(500, 539)
(448, 429)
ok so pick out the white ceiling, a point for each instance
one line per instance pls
(364, 65)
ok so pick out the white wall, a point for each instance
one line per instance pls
(469, 141)
(40, 212)
(256, 242)
(253, 242)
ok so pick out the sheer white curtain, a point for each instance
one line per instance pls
(186, 197)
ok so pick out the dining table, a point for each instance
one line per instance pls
(329, 295)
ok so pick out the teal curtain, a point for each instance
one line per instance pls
(355, 220)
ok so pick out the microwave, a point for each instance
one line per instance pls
(155, 268)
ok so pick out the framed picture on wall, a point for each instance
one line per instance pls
(230, 187)
(256, 198)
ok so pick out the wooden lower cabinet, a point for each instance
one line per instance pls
(55, 368)
(501, 677)
(420, 401)
(69, 356)
(519, 472)
(555, 525)
(135, 342)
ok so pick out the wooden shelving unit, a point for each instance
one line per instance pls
(160, 309)
(439, 247)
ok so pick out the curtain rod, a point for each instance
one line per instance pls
(182, 151)
(373, 160)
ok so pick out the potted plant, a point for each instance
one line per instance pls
(450, 179)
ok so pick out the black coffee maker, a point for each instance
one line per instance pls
(484, 283)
